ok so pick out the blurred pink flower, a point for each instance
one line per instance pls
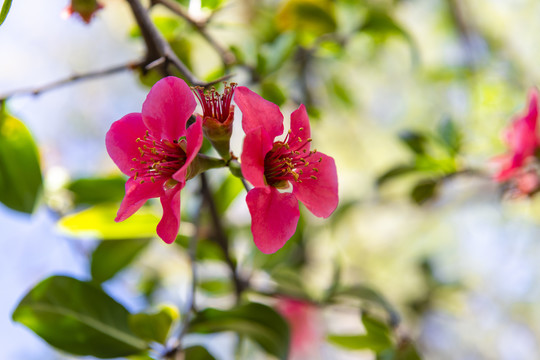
(271, 164)
(305, 325)
(522, 140)
(86, 9)
(155, 150)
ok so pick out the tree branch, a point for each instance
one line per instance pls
(73, 78)
(221, 237)
(157, 47)
(226, 56)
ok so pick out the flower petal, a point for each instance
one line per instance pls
(319, 195)
(532, 112)
(167, 108)
(169, 224)
(121, 141)
(258, 112)
(274, 217)
(300, 126)
(257, 144)
(136, 196)
(194, 140)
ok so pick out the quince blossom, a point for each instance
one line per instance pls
(155, 150)
(272, 165)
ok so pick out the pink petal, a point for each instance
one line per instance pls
(194, 140)
(121, 141)
(274, 217)
(169, 224)
(532, 113)
(320, 196)
(257, 144)
(300, 125)
(258, 112)
(136, 196)
(167, 108)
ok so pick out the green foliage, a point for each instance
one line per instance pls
(435, 157)
(20, 173)
(155, 326)
(225, 194)
(310, 17)
(366, 293)
(424, 190)
(5, 10)
(197, 353)
(110, 257)
(259, 322)
(272, 92)
(378, 337)
(98, 221)
(92, 191)
(216, 287)
(78, 317)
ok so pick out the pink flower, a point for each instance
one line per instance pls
(155, 150)
(86, 9)
(305, 325)
(522, 139)
(271, 164)
(217, 117)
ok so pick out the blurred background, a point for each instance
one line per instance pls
(456, 258)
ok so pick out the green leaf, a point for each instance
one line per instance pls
(394, 172)
(98, 221)
(110, 257)
(450, 135)
(20, 173)
(229, 189)
(378, 337)
(93, 191)
(424, 190)
(211, 4)
(154, 327)
(359, 342)
(313, 17)
(415, 141)
(5, 9)
(273, 93)
(216, 287)
(259, 322)
(367, 293)
(197, 353)
(79, 318)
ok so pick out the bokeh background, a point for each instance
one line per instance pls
(461, 268)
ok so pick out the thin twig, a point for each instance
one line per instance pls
(59, 83)
(221, 237)
(226, 56)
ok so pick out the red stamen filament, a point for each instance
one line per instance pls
(289, 160)
(214, 104)
(159, 158)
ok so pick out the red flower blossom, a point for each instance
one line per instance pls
(155, 150)
(217, 117)
(305, 324)
(84, 8)
(522, 139)
(271, 164)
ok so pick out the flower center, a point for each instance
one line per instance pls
(214, 104)
(159, 158)
(290, 160)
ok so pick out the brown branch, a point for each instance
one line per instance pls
(156, 45)
(73, 78)
(226, 56)
(221, 237)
